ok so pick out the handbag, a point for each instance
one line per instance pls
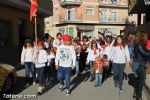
(135, 65)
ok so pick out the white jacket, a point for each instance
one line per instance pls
(120, 56)
(40, 58)
(56, 43)
(27, 54)
(65, 56)
(91, 56)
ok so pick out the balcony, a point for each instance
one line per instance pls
(111, 21)
(118, 4)
(70, 2)
(64, 19)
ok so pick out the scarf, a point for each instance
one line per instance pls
(120, 46)
(105, 46)
(95, 52)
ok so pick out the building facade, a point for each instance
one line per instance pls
(15, 26)
(87, 17)
(141, 8)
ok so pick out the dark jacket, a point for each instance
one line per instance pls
(141, 53)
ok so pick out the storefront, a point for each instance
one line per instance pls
(85, 30)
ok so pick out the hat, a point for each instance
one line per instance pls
(66, 38)
(28, 41)
(148, 44)
(40, 43)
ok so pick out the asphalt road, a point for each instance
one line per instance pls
(82, 89)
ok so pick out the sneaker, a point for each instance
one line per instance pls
(34, 83)
(68, 92)
(120, 88)
(100, 84)
(61, 88)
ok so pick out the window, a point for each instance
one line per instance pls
(114, 16)
(104, 15)
(90, 11)
(70, 13)
(88, 33)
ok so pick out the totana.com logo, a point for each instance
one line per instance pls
(147, 2)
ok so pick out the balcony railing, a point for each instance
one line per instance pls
(70, 2)
(114, 4)
(63, 18)
(112, 21)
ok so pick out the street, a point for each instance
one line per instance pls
(81, 88)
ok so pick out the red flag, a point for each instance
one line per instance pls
(33, 8)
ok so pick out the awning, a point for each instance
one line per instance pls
(86, 27)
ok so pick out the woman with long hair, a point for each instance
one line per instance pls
(93, 52)
(120, 56)
(27, 60)
(140, 55)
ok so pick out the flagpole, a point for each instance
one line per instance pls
(35, 27)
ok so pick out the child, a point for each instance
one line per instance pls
(120, 56)
(27, 60)
(64, 62)
(77, 47)
(93, 52)
(40, 57)
(98, 70)
(106, 65)
(51, 61)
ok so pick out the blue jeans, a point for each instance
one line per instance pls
(118, 73)
(98, 79)
(64, 72)
(29, 66)
(91, 63)
(41, 74)
(77, 65)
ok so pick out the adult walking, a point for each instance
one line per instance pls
(27, 60)
(120, 56)
(140, 55)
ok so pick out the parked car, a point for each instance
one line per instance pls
(8, 77)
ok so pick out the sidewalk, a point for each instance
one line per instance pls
(147, 83)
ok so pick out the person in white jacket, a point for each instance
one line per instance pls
(40, 58)
(120, 56)
(57, 41)
(93, 52)
(65, 61)
(27, 60)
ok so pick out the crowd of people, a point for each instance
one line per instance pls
(101, 57)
